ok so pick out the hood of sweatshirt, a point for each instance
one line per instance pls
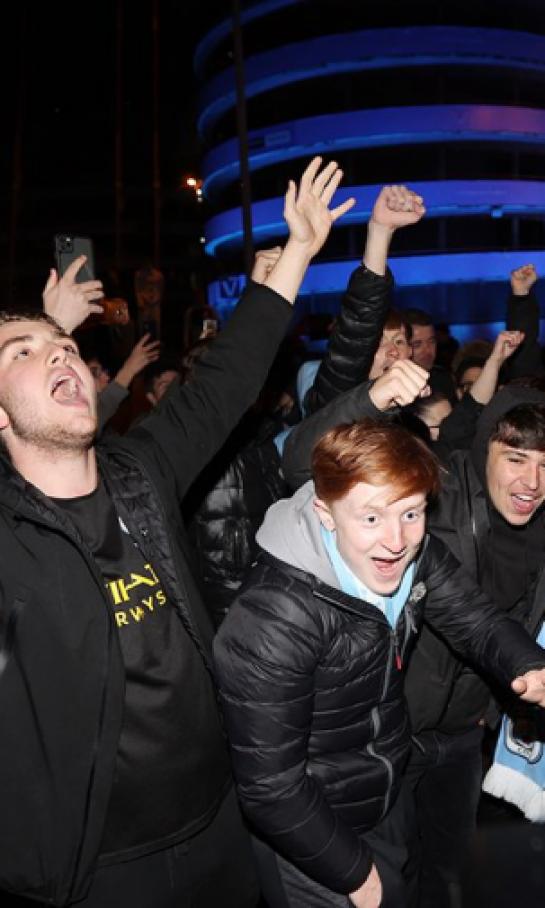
(512, 555)
(291, 532)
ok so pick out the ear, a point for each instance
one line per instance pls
(4, 419)
(151, 398)
(324, 514)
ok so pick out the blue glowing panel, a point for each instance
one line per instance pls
(409, 271)
(224, 29)
(443, 198)
(379, 48)
(332, 133)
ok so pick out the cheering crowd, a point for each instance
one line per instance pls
(249, 655)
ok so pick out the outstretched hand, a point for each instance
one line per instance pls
(306, 208)
(400, 385)
(144, 352)
(531, 686)
(397, 206)
(68, 301)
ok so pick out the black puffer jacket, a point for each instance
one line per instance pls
(312, 689)
(225, 520)
(355, 337)
(461, 518)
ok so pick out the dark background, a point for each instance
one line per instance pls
(79, 77)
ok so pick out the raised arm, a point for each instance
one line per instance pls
(365, 305)
(505, 345)
(192, 421)
(144, 352)
(109, 400)
(523, 315)
(68, 301)
(399, 386)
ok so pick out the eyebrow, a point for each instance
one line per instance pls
(26, 338)
(508, 449)
(21, 338)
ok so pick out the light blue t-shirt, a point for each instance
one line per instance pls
(390, 606)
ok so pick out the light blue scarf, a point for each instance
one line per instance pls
(518, 772)
(390, 606)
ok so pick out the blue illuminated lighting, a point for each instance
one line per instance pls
(333, 133)
(443, 198)
(225, 28)
(408, 271)
(378, 48)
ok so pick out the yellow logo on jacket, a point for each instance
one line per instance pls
(131, 606)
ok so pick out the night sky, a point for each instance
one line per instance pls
(60, 117)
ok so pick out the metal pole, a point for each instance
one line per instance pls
(242, 130)
(17, 168)
(156, 183)
(118, 148)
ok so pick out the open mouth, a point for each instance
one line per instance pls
(66, 390)
(524, 504)
(388, 567)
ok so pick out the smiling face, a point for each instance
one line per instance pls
(515, 480)
(376, 536)
(47, 393)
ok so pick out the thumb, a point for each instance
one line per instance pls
(52, 280)
(519, 685)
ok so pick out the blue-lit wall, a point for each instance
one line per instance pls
(464, 288)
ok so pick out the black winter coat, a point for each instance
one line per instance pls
(460, 517)
(312, 691)
(355, 337)
(224, 523)
(61, 668)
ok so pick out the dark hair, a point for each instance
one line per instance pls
(31, 315)
(522, 427)
(376, 454)
(168, 362)
(396, 319)
(417, 317)
(468, 362)
(423, 404)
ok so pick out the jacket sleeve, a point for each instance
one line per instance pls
(461, 613)
(355, 337)
(109, 400)
(193, 420)
(457, 431)
(523, 315)
(265, 659)
(347, 408)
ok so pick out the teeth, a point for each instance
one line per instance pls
(68, 384)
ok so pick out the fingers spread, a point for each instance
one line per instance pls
(342, 209)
